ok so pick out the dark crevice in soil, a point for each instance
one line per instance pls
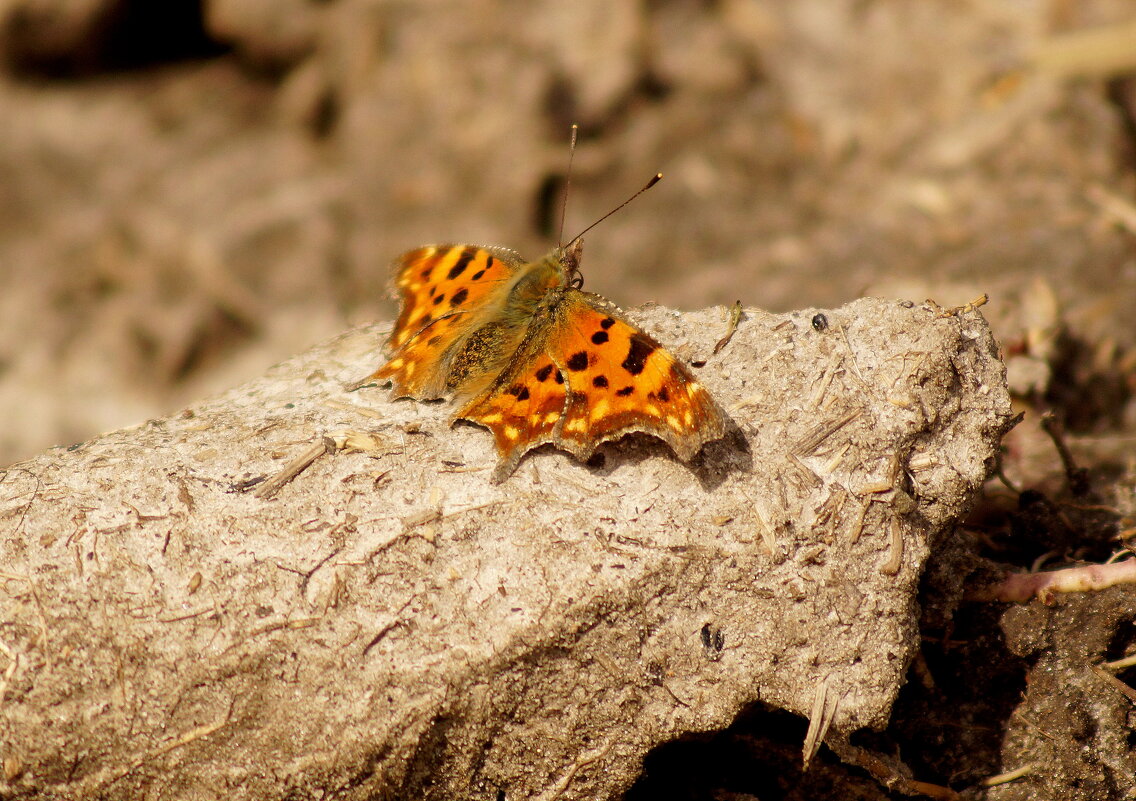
(122, 36)
(1087, 396)
(757, 756)
(546, 206)
(950, 718)
(1121, 93)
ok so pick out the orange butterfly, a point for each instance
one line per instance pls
(535, 359)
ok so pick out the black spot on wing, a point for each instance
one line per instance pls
(459, 297)
(642, 346)
(463, 261)
(488, 266)
(543, 373)
(625, 391)
(607, 323)
(600, 381)
(578, 361)
(599, 337)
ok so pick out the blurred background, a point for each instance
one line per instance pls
(191, 191)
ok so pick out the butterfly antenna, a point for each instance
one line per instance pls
(567, 183)
(654, 180)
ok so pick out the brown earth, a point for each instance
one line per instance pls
(189, 197)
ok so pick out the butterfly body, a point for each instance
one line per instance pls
(529, 355)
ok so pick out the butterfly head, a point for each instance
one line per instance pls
(569, 258)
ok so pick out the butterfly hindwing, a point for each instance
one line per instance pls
(523, 410)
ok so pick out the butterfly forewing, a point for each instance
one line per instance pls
(441, 279)
(440, 287)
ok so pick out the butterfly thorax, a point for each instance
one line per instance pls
(535, 285)
(530, 286)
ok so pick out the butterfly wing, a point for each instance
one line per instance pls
(585, 374)
(621, 380)
(442, 288)
(523, 408)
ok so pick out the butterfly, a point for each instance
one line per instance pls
(525, 352)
